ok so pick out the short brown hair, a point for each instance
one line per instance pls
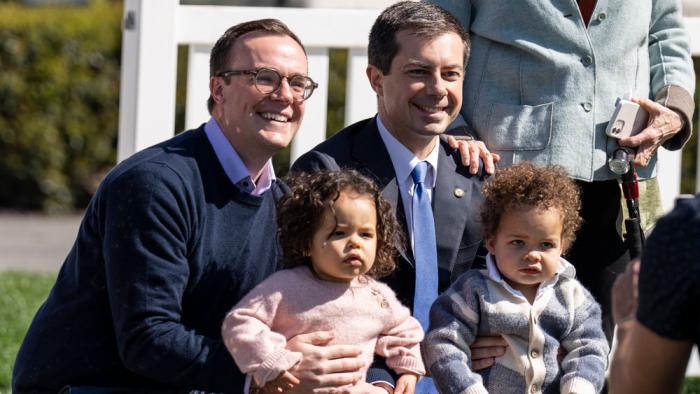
(300, 213)
(525, 185)
(219, 58)
(424, 20)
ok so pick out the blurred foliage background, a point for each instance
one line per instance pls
(59, 102)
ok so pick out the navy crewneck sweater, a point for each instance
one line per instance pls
(167, 246)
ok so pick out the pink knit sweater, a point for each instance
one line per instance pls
(293, 301)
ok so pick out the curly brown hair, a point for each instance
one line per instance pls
(300, 213)
(525, 185)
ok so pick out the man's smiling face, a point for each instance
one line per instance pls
(422, 93)
(254, 122)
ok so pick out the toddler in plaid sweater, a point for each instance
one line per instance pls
(527, 294)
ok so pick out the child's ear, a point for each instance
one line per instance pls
(489, 243)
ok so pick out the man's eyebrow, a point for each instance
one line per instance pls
(417, 63)
(422, 64)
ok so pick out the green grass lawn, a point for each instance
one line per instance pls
(21, 294)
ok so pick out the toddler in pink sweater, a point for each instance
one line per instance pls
(337, 235)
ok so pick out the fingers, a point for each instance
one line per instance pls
(470, 151)
(400, 387)
(317, 338)
(483, 363)
(406, 384)
(289, 378)
(464, 150)
(624, 293)
(487, 157)
(488, 341)
(486, 349)
(344, 352)
(663, 124)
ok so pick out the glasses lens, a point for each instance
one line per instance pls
(267, 80)
(302, 86)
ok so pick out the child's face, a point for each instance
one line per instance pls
(527, 246)
(345, 244)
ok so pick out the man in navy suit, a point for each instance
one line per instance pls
(417, 55)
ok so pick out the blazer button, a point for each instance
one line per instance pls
(587, 106)
(587, 60)
(602, 16)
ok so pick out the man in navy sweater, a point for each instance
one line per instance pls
(176, 235)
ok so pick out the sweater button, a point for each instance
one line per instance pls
(534, 354)
(533, 388)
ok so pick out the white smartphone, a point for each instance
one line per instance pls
(627, 120)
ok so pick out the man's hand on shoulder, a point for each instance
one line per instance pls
(471, 150)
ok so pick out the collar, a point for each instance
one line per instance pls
(404, 160)
(233, 165)
(565, 269)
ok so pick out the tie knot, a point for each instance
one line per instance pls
(420, 171)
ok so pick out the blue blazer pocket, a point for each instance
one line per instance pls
(519, 127)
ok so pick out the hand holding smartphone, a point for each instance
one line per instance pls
(627, 120)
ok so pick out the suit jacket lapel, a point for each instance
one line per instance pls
(449, 209)
(369, 150)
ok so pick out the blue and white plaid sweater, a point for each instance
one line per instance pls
(564, 314)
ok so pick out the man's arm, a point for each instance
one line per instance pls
(146, 234)
(645, 362)
(655, 307)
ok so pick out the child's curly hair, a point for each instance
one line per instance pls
(300, 213)
(525, 185)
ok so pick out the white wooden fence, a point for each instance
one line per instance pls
(154, 29)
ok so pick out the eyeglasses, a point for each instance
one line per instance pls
(268, 81)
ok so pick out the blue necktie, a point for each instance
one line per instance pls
(425, 252)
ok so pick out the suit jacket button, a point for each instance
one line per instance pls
(459, 193)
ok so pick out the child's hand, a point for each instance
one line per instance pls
(406, 384)
(285, 381)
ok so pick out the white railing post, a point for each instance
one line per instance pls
(360, 100)
(313, 128)
(196, 111)
(148, 75)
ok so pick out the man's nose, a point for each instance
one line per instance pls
(283, 92)
(436, 86)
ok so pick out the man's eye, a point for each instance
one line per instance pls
(417, 72)
(452, 75)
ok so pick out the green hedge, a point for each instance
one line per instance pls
(59, 103)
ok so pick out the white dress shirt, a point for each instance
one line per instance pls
(233, 165)
(404, 161)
